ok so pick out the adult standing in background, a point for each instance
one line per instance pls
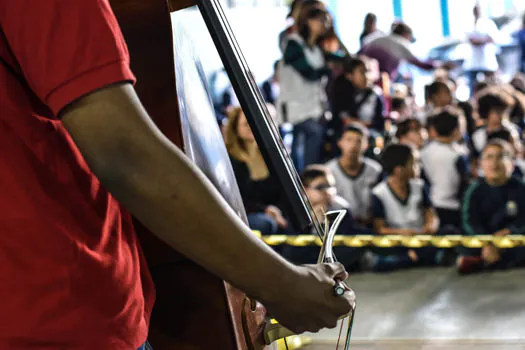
(390, 49)
(482, 38)
(303, 72)
(292, 16)
(521, 41)
(369, 27)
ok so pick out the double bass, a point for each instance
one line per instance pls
(194, 309)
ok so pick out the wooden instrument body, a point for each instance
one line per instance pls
(194, 309)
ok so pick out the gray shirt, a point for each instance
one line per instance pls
(357, 190)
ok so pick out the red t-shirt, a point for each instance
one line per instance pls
(72, 274)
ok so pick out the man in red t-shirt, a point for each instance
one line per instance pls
(72, 131)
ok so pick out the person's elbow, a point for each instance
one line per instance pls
(110, 128)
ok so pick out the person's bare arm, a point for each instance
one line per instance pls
(382, 229)
(166, 192)
(431, 221)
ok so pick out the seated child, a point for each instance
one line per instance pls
(401, 206)
(494, 205)
(445, 168)
(355, 175)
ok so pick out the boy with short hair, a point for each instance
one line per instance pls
(355, 175)
(494, 205)
(492, 109)
(445, 167)
(401, 205)
(439, 94)
(410, 132)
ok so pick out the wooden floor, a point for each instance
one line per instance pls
(404, 310)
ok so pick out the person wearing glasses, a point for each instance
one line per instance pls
(320, 187)
(494, 205)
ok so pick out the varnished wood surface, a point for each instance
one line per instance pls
(175, 5)
(194, 310)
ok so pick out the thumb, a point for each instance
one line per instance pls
(336, 271)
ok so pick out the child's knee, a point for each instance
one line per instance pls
(490, 254)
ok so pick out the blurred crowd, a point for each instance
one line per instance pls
(361, 143)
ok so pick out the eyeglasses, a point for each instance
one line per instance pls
(498, 157)
(323, 187)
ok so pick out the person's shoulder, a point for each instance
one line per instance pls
(373, 37)
(294, 38)
(380, 188)
(517, 183)
(427, 148)
(339, 203)
(417, 183)
(374, 165)
(459, 149)
(475, 187)
(480, 130)
(332, 164)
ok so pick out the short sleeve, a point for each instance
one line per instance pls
(378, 210)
(65, 48)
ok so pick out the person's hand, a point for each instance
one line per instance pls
(407, 232)
(429, 229)
(276, 214)
(504, 232)
(308, 303)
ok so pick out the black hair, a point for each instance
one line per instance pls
(434, 88)
(445, 123)
(370, 19)
(310, 10)
(468, 112)
(480, 86)
(357, 128)
(406, 126)
(395, 155)
(293, 6)
(401, 28)
(276, 65)
(501, 134)
(312, 173)
(491, 103)
(398, 103)
(351, 64)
